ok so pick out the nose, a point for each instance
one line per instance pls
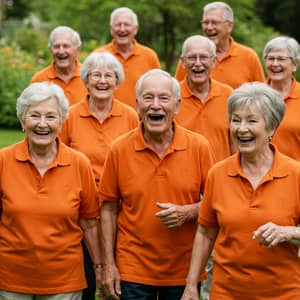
(42, 121)
(122, 27)
(198, 61)
(155, 103)
(243, 126)
(61, 49)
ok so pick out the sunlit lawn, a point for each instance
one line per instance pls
(8, 137)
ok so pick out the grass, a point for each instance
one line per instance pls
(10, 136)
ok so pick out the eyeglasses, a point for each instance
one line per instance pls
(119, 25)
(279, 59)
(213, 22)
(98, 76)
(37, 117)
(193, 58)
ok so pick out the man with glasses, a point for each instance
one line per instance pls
(135, 58)
(203, 99)
(235, 63)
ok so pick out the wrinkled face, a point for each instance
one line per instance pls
(102, 83)
(279, 65)
(122, 30)
(156, 105)
(198, 61)
(249, 131)
(42, 123)
(64, 53)
(215, 27)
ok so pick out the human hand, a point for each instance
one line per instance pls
(111, 283)
(271, 234)
(172, 215)
(190, 293)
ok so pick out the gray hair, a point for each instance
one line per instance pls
(175, 83)
(268, 100)
(201, 38)
(101, 60)
(228, 12)
(76, 41)
(119, 10)
(41, 91)
(284, 42)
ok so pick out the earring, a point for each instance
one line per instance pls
(270, 138)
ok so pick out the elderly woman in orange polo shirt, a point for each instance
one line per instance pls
(96, 121)
(282, 57)
(250, 208)
(48, 203)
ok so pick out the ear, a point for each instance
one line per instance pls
(136, 29)
(78, 51)
(182, 62)
(230, 26)
(177, 107)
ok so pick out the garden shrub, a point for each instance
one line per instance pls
(16, 69)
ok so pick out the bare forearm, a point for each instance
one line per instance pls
(108, 226)
(202, 248)
(192, 211)
(91, 239)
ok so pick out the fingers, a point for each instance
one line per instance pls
(268, 235)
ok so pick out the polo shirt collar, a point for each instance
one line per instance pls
(135, 51)
(178, 143)
(294, 92)
(233, 49)
(53, 74)
(215, 90)
(84, 110)
(278, 169)
(62, 158)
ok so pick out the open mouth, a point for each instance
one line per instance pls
(211, 34)
(102, 88)
(38, 132)
(245, 140)
(198, 70)
(155, 117)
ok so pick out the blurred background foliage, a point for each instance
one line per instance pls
(164, 25)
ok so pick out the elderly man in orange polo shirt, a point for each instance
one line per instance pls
(135, 58)
(203, 99)
(64, 44)
(151, 185)
(235, 63)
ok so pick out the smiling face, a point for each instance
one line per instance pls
(123, 30)
(279, 65)
(42, 123)
(248, 130)
(63, 51)
(198, 61)
(216, 27)
(156, 105)
(102, 83)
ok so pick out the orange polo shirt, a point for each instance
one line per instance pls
(287, 135)
(141, 60)
(242, 268)
(83, 132)
(209, 117)
(148, 252)
(40, 250)
(241, 64)
(74, 90)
